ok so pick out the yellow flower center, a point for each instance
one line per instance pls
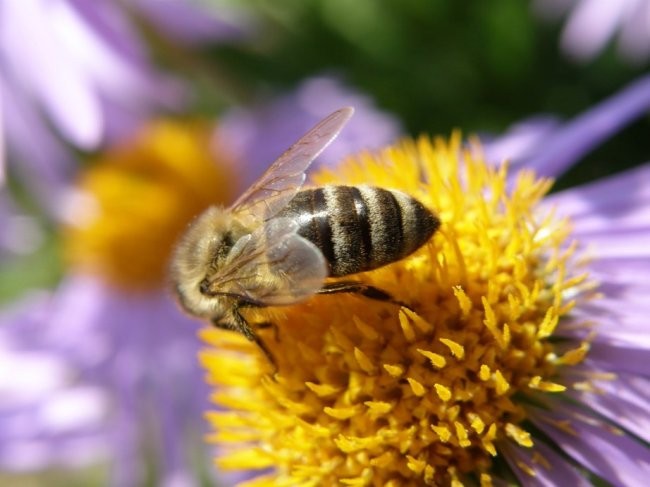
(367, 393)
(137, 199)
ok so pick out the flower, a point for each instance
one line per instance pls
(40, 394)
(518, 358)
(87, 70)
(118, 345)
(593, 23)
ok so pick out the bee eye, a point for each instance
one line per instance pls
(223, 247)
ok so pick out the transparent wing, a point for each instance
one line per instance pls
(273, 266)
(280, 183)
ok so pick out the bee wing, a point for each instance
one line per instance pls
(272, 266)
(280, 183)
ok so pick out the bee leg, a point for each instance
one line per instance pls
(265, 324)
(365, 290)
(247, 331)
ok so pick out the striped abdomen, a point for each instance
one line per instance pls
(359, 228)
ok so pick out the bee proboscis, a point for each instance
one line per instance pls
(278, 243)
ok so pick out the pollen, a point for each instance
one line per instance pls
(132, 203)
(370, 393)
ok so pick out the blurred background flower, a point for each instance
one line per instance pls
(89, 339)
(76, 76)
(110, 329)
(592, 25)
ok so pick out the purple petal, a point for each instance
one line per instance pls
(591, 25)
(79, 408)
(623, 401)
(633, 298)
(626, 190)
(619, 244)
(78, 70)
(559, 472)
(625, 219)
(618, 327)
(29, 376)
(47, 416)
(616, 457)
(520, 142)
(634, 38)
(620, 357)
(124, 117)
(607, 265)
(118, 70)
(45, 163)
(137, 349)
(585, 132)
(620, 276)
(113, 27)
(619, 203)
(79, 116)
(629, 309)
(623, 272)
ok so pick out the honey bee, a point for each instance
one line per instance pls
(277, 244)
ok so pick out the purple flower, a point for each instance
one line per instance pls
(592, 24)
(77, 73)
(95, 372)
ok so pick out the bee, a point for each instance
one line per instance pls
(278, 243)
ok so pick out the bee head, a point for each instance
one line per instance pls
(199, 254)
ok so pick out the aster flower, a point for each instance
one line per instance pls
(87, 70)
(124, 385)
(110, 330)
(592, 24)
(520, 360)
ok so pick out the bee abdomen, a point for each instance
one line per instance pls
(361, 228)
